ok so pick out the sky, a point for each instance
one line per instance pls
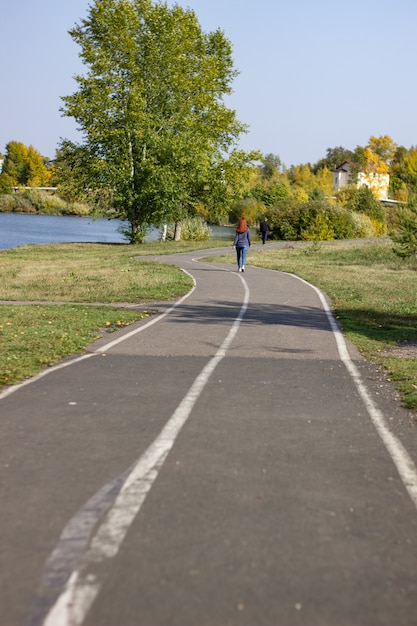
(313, 75)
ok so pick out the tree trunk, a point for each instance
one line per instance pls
(164, 232)
(177, 231)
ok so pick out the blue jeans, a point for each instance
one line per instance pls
(241, 253)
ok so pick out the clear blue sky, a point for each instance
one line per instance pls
(313, 74)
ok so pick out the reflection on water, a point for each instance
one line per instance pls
(18, 229)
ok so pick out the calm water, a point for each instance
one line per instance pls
(19, 229)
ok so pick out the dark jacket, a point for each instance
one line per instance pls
(265, 228)
(242, 240)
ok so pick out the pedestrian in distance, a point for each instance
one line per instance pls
(265, 230)
(242, 243)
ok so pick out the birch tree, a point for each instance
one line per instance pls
(156, 133)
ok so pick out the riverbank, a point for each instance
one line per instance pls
(19, 229)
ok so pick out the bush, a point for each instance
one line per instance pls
(45, 202)
(252, 209)
(15, 203)
(76, 208)
(6, 183)
(7, 203)
(361, 200)
(363, 226)
(405, 237)
(192, 229)
(314, 220)
(23, 205)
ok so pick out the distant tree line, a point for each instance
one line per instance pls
(160, 147)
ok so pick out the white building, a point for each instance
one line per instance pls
(378, 183)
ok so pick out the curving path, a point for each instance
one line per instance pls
(229, 461)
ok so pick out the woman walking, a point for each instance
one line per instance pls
(242, 243)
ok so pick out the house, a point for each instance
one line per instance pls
(377, 182)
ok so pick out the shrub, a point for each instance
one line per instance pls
(45, 202)
(405, 237)
(23, 205)
(7, 203)
(361, 200)
(6, 183)
(314, 220)
(76, 208)
(363, 226)
(251, 208)
(192, 229)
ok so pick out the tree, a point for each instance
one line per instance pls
(25, 166)
(405, 237)
(334, 158)
(15, 162)
(383, 146)
(271, 165)
(157, 135)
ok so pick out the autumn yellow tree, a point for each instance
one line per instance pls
(24, 166)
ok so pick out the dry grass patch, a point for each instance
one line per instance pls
(86, 273)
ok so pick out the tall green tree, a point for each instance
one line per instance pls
(157, 134)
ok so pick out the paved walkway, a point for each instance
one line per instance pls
(228, 461)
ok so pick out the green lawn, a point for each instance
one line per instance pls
(374, 295)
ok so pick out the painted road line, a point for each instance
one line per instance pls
(399, 455)
(83, 586)
(110, 344)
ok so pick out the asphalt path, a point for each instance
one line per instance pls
(229, 461)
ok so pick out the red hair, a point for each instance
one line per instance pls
(242, 225)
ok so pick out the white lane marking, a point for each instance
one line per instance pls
(80, 592)
(54, 368)
(402, 460)
(110, 344)
(151, 322)
(73, 541)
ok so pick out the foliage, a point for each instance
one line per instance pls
(383, 146)
(7, 203)
(363, 226)
(271, 194)
(24, 166)
(334, 157)
(316, 219)
(405, 237)
(6, 183)
(158, 138)
(250, 208)
(43, 202)
(361, 200)
(271, 166)
(403, 178)
(192, 229)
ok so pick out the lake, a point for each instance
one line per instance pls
(20, 229)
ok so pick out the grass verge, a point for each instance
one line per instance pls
(33, 336)
(374, 295)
